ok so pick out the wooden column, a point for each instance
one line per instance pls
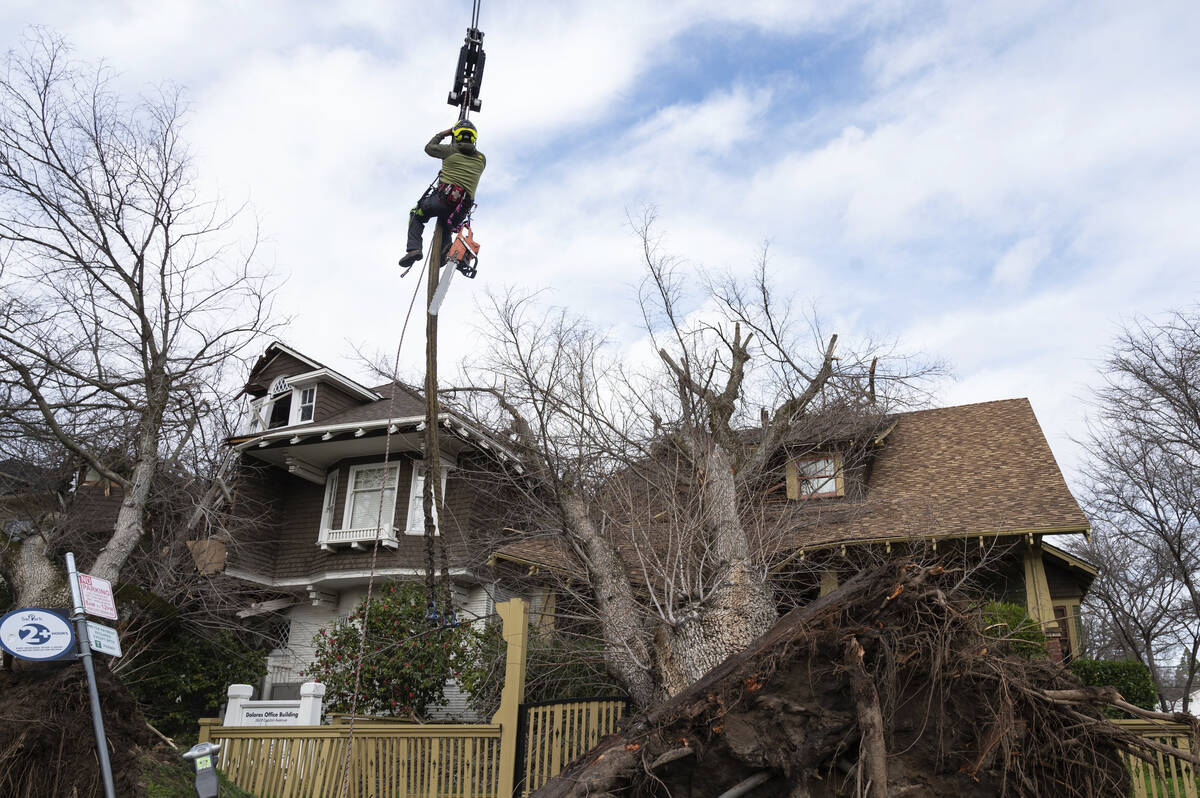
(515, 615)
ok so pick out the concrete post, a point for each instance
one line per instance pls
(515, 615)
(311, 694)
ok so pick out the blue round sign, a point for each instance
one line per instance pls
(36, 634)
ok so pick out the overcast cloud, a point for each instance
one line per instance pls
(995, 183)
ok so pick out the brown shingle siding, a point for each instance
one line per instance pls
(331, 401)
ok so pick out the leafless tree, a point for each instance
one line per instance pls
(1133, 611)
(1143, 486)
(122, 292)
(646, 465)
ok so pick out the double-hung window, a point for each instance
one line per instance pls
(370, 496)
(814, 477)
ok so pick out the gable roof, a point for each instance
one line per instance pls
(973, 470)
(310, 369)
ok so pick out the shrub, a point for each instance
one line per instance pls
(556, 666)
(184, 676)
(1012, 625)
(1130, 677)
(406, 661)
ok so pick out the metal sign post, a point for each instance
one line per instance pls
(85, 654)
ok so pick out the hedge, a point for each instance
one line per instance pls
(1130, 677)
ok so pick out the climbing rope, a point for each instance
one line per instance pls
(387, 452)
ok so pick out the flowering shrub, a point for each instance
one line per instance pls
(406, 661)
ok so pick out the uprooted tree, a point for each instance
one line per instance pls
(122, 297)
(889, 686)
(642, 467)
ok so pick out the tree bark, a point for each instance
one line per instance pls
(624, 634)
(32, 575)
(872, 758)
(130, 523)
(740, 608)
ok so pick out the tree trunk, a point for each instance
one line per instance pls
(625, 647)
(130, 524)
(32, 575)
(740, 608)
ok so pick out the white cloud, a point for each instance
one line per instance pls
(994, 181)
(1019, 261)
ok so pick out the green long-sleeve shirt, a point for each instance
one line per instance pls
(461, 164)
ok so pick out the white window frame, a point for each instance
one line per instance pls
(297, 408)
(329, 506)
(258, 414)
(416, 502)
(348, 510)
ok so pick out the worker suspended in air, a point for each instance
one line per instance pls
(448, 199)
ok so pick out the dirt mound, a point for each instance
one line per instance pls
(46, 743)
(886, 687)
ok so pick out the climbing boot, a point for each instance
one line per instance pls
(410, 257)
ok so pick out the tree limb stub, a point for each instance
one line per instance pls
(872, 759)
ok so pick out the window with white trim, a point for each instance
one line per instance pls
(814, 477)
(416, 501)
(330, 504)
(369, 487)
(304, 400)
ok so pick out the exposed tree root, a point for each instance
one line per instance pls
(885, 687)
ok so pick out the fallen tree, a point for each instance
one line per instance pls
(888, 686)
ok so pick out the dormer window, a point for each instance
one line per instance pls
(283, 407)
(307, 404)
(818, 476)
(281, 411)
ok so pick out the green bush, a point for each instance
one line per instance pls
(557, 666)
(1011, 625)
(1130, 677)
(185, 677)
(406, 661)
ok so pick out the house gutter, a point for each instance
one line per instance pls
(451, 421)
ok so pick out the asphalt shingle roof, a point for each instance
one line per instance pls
(978, 469)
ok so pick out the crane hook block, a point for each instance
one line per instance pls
(468, 76)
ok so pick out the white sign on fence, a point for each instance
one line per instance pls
(97, 596)
(104, 639)
(305, 711)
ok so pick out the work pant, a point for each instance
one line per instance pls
(439, 202)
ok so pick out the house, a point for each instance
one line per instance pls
(978, 481)
(320, 459)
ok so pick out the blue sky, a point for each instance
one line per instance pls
(995, 183)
